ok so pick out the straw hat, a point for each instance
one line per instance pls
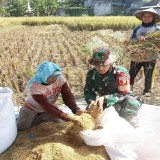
(139, 14)
(102, 56)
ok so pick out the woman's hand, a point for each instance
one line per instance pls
(65, 117)
(141, 38)
(80, 111)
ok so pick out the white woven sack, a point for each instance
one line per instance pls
(8, 128)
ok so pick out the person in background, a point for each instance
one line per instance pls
(108, 85)
(149, 18)
(43, 91)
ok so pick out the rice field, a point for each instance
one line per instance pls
(66, 41)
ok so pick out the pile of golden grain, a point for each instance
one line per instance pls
(55, 141)
(85, 121)
(146, 50)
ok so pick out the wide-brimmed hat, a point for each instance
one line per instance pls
(139, 14)
(102, 56)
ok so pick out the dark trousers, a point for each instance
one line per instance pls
(28, 118)
(149, 67)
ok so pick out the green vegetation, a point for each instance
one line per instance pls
(18, 8)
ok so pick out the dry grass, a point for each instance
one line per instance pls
(22, 48)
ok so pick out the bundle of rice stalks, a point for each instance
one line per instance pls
(145, 50)
(154, 38)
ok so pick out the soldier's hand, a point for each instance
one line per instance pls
(99, 101)
(91, 104)
(94, 110)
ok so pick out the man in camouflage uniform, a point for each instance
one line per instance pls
(108, 85)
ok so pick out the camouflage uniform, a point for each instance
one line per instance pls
(112, 85)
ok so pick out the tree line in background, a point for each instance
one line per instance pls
(19, 8)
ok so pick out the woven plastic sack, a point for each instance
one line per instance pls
(8, 128)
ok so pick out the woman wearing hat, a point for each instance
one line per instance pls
(43, 91)
(149, 18)
(108, 84)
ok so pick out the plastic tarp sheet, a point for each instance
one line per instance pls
(149, 121)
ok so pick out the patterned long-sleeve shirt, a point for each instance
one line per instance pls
(114, 84)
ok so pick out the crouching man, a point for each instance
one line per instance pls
(108, 85)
